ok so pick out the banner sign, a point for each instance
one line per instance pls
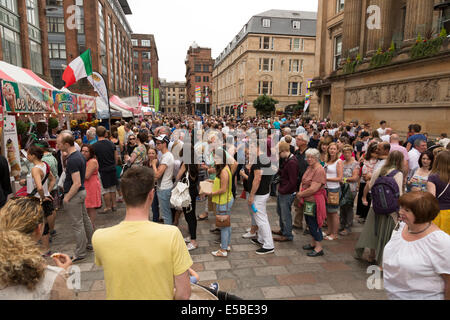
(99, 85)
(308, 95)
(198, 94)
(157, 99)
(11, 146)
(20, 97)
(87, 104)
(23, 98)
(145, 94)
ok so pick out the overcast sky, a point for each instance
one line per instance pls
(176, 24)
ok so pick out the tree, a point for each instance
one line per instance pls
(265, 104)
(299, 107)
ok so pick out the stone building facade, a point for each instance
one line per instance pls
(199, 66)
(145, 64)
(100, 25)
(23, 35)
(367, 66)
(273, 55)
(174, 100)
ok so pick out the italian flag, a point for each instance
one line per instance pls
(78, 69)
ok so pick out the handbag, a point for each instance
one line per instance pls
(333, 198)
(309, 208)
(47, 205)
(223, 221)
(244, 195)
(180, 197)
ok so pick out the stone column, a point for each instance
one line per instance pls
(352, 25)
(419, 18)
(24, 35)
(44, 39)
(382, 37)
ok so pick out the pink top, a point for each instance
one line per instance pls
(397, 147)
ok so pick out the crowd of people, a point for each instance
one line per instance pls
(321, 173)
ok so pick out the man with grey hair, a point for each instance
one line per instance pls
(75, 195)
(302, 141)
(420, 146)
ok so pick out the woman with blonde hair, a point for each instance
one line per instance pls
(439, 186)
(24, 274)
(334, 169)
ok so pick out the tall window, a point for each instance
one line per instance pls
(198, 68)
(340, 5)
(337, 52)
(265, 64)
(36, 57)
(205, 68)
(294, 65)
(206, 79)
(146, 66)
(297, 44)
(295, 88)
(11, 46)
(265, 87)
(11, 5)
(198, 79)
(134, 42)
(146, 55)
(32, 12)
(265, 43)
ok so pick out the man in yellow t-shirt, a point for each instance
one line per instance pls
(142, 260)
(121, 132)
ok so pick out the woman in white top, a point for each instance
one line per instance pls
(418, 182)
(416, 261)
(24, 274)
(335, 173)
(34, 182)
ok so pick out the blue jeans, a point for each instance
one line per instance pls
(155, 209)
(225, 233)
(313, 226)
(164, 203)
(284, 204)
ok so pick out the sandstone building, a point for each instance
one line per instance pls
(173, 100)
(383, 60)
(273, 54)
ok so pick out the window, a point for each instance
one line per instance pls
(55, 25)
(205, 68)
(198, 79)
(146, 55)
(339, 5)
(32, 12)
(9, 4)
(265, 43)
(297, 44)
(146, 77)
(296, 25)
(337, 52)
(146, 43)
(56, 75)
(36, 57)
(134, 42)
(198, 68)
(206, 79)
(11, 46)
(294, 65)
(295, 88)
(57, 50)
(266, 23)
(265, 87)
(135, 54)
(265, 64)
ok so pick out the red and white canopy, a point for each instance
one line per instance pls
(13, 73)
(116, 100)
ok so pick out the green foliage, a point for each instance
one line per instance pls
(351, 65)
(427, 48)
(300, 106)
(53, 123)
(22, 127)
(383, 58)
(265, 104)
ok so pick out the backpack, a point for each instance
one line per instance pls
(385, 194)
(180, 197)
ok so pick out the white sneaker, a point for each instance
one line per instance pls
(249, 235)
(187, 239)
(191, 247)
(248, 229)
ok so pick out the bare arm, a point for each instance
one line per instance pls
(76, 179)
(355, 176)
(256, 182)
(408, 146)
(159, 171)
(315, 186)
(182, 286)
(431, 187)
(90, 169)
(36, 174)
(223, 183)
(181, 172)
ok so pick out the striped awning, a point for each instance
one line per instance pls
(13, 73)
(119, 102)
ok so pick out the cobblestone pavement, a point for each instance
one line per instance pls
(286, 274)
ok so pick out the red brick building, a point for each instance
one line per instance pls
(23, 35)
(100, 25)
(145, 65)
(199, 67)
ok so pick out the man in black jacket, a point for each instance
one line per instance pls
(302, 145)
(5, 182)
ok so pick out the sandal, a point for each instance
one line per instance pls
(220, 254)
(200, 218)
(329, 238)
(344, 233)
